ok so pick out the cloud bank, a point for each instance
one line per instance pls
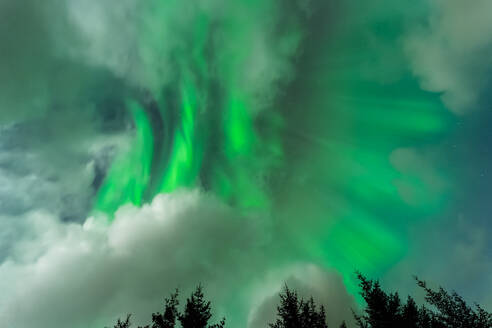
(80, 275)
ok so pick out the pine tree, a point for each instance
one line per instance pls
(197, 312)
(321, 318)
(393, 314)
(288, 311)
(386, 310)
(168, 318)
(310, 316)
(383, 310)
(123, 324)
(410, 314)
(377, 309)
(221, 324)
(294, 312)
(453, 311)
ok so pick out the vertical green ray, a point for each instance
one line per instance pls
(129, 175)
(184, 163)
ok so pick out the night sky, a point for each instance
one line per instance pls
(149, 145)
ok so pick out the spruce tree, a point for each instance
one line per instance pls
(293, 312)
(453, 311)
(168, 318)
(377, 309)
(410, 314)
(449, 310)
(288, 312)
(123, 324)
(197, 312)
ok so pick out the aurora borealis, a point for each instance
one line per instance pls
(149, 145)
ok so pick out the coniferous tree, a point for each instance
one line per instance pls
(383, 310)
(321, 318)
(410, 314)
(393, 311)
(168, 318)
(310, 316)
(379, 304)
(221, 324)
(293, 312)
(453, 311)
(197, 312)
(288, 311)
(123, 324)
(386, 310)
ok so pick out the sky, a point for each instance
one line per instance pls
(149, 145)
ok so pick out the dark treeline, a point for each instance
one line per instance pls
(382, 310)
(196, 314)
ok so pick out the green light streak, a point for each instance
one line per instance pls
(239, 134)
(129, 175)
(184, 163)
(319, 160)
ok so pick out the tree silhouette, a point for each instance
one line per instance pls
(383, 310)
(288, 311)
(310, 316)
(123, 324)
(452, 310)
(410, 314)
(293, 312)
(448, 310)
(168, 318)
(197, 312)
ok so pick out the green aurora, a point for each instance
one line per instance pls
(152, 144)
(319, 150)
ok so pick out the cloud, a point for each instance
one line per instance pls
(69, 66)
(421, 182)
(152, 44)
(57, 124)
(78, 275)
(451, 53)
(50, 166)
(73, 275)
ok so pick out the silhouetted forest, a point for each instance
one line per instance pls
(382, 310)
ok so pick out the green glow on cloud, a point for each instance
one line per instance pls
(183, 166)
(335, 191)
(129, 175)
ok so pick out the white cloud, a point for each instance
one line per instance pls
(72, 275)
(86, 275)
(150, 44)
(452, 53)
